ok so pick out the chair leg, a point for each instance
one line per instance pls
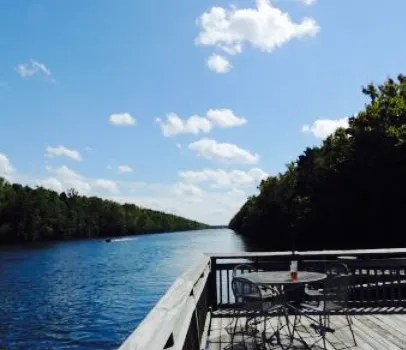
(352, 331)
(350, 319)
(278, 327)
(323, 323)
(264, 331)
(235, 328)
(251, 330)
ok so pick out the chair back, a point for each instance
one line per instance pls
(241, 269)
(241, 287)
(247, 295)
(336, 291)
(337, 269)
(244, 290)
(334, 269)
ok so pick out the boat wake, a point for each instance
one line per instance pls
(124, 239)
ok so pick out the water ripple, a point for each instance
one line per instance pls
(91, 294)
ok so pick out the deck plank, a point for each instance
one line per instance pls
(372, 332)
(385, 339)
(370, 337)
(342, 336)
(392, 325)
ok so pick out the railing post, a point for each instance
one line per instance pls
(212, 280)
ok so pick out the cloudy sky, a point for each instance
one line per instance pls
(182, 106)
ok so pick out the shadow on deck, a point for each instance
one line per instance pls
(374, 329)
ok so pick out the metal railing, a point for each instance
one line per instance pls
(378, 276)
(178, 320)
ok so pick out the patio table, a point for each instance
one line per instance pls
(284, 283)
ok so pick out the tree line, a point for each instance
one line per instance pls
(349, 192)
(32, 215)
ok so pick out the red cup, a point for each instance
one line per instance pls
(293, 275)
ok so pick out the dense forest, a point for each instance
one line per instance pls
(349, 192)
(31, 215)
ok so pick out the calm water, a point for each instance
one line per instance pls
(92, 294)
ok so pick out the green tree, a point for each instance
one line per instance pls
(346, 193)
(30, 215)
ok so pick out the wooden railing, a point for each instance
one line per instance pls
(178, 320)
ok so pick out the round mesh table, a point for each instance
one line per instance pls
(293, 292)
(283, 277)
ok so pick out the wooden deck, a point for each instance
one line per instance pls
(192, 315)
(372, 331)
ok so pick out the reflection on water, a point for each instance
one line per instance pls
(92, 294)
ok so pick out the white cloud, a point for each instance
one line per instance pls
(219, 64)
(52, 184)
(70, 179)
(222, 118)
(31, 68)
(309, 2)
(122, 119)
(81, 186)
(174, 125)
(6, 168)
(223, 152)
(258, 174)
(124, 169)
(5, 165)
(324, 127)
(224, 178)
(64, 172)
(214, 207)
(65, 178)
(108, 185)
(63, 151)
(265, 27)
(134, 186)
(182, 189)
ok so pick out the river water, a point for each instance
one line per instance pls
(92, 294)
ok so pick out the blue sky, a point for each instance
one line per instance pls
(179, 105)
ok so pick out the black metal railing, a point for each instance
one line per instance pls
(178, 320)
(377, 279)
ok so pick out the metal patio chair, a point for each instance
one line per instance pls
(332, 270)
(332, 299)
(253, 304)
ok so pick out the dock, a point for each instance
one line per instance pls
(197, 309)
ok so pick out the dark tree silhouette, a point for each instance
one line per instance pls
(31, 215)
(347, 193)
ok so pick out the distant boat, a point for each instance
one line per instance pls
(108, 240)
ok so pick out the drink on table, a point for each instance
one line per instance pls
(293, 271)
